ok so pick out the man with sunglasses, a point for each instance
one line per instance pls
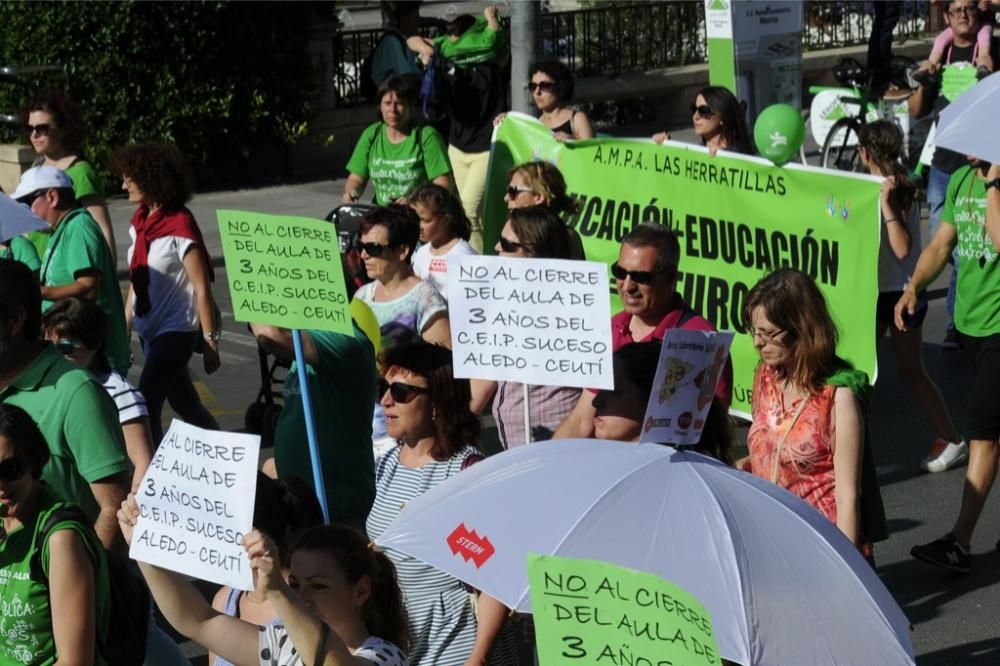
(88, 465)
(77, 261)
(646, 278)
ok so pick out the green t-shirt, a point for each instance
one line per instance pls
(21, 249)
(475, 45)
(79, 421)
(77, 245)
(395, 168)
(342, 388)
(25, 617)
(977, 305)
(86, 182)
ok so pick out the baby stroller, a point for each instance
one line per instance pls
(261, 417)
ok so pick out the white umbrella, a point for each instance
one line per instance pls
(782, 584)
(968, 125)
(16, 219)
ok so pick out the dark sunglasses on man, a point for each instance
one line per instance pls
(639, 277)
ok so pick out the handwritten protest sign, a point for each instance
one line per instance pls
(591, 612)
(285, 271)
(538, 321)
(686, 376)
(196, 503)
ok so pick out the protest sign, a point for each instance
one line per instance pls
(537, 321)
(196, 503)
(686, 376)
(591, 612)
(736, 217)
(285, 271)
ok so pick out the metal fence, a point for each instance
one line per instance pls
(620, 37)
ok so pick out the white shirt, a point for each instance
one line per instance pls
(173, 307)
(130, 403)
(433, 268)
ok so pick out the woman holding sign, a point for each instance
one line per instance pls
(719, 120)
(169, 303)
(53, 572)
(808, 432)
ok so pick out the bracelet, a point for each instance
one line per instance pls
(891, 219)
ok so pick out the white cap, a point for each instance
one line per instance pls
(41, 178)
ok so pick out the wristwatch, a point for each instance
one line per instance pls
(214, 336)
(993, 183)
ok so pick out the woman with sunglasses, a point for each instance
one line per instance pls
(719, 120)
(54, 126)
(551, 86)
(169, 303)
(809, 406)
(536, 232)
(60, 613)
(444, 233)
(427, 415)
(540, 183)
(396, 153)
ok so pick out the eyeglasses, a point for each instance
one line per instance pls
(508, 245)
(67, 347)
(968, 11)
(702, 110)
(639, 277)
(544, 86)
(401, 392)
(765, 337)
(373, 249)
(42, 129)
(513, 191)
(12, 469)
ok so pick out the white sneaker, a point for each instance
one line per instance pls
(945, 455)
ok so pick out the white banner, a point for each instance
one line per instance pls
(686, 376)
(196, 503)
(537, 321)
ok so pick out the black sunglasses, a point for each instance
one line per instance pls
(373, 249)
(42, 129)
(513, 191)
(508, 245)
(400, 391)
(639, 277)
(544, 86)
(703, 110)
(29, 199)
(67, 347)
(12, 469)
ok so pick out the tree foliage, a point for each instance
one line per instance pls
(218, 79)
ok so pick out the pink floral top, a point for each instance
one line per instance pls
(806, 461)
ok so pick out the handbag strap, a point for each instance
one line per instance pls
(784, 436)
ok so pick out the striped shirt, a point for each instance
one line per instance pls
(277, 650)
(130, 403)
(549, 405)
(441, 614)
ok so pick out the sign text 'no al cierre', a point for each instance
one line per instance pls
(538, 321)
(196, 503)
(285, 271)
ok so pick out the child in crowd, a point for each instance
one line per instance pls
(444, 232)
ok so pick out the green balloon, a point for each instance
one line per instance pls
(779, 132)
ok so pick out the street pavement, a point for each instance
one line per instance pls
(954, 618)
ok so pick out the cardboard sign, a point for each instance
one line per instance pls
(537, 321)
(687, 373)
(591, 612)
(285, 271)
(196, 503)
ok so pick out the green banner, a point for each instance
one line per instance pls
(591, 612)
(736, 217)
(285, 271)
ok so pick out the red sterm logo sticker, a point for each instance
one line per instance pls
(470, 545)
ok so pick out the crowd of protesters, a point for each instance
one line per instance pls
(75, 433)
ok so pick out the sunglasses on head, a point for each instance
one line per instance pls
(508, 245)
(12, 469)
(513, 191)
(67, 347)
(42, 129)
(639, 277)
(703, 110)
(373, 249)
(544, 86)
(400, 391)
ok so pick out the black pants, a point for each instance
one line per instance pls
(880, 41)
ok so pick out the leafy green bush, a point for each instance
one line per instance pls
(221, 80)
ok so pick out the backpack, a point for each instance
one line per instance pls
(435, 90)
(368, 84)
(129, 599)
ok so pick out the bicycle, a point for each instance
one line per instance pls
(838, 113)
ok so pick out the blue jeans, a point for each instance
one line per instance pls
(937, 190)
(165, 377)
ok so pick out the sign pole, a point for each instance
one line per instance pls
(527, 417)
(303, 370)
